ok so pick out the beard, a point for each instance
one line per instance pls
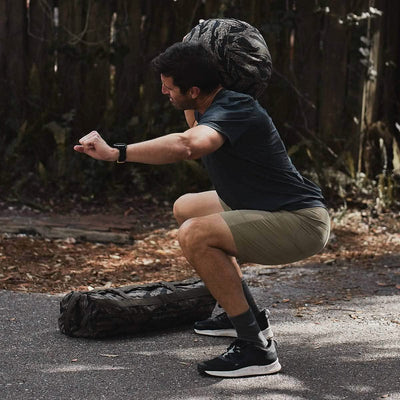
(183, 103)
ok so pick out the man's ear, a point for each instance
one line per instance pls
(194, 92)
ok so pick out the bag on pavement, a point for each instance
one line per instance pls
(131, 309)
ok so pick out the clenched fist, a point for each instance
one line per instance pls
(96, 147)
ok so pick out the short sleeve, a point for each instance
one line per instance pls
(232, 116)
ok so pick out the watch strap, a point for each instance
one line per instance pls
(122, 152)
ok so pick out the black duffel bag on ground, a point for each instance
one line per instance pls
(131, 309)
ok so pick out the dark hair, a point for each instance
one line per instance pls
(189, 64)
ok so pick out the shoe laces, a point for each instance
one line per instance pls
(221, 317)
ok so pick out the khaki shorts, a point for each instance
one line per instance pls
(279, 237)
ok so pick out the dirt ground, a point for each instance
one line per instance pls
(36, 264)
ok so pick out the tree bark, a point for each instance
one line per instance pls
(13, 68)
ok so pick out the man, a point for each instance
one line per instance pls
(262, 210)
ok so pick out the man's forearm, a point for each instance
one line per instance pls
(163, 150)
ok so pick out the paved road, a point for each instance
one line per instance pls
(349, 350)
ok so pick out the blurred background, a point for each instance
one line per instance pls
(71, 66)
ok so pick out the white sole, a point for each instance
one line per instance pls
(220, 332)
(230, 333)
(248, 371)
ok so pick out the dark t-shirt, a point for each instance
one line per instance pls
(252, 169)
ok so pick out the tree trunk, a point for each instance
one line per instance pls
(41, 54)
(70, 55)
(128, 59)
(13, 69)
(95, 67)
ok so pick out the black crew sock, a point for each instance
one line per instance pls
(247, 328)
(249, 297)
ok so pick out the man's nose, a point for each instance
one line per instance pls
(164, 90)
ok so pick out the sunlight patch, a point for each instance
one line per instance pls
(81, 367)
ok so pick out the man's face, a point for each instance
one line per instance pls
(181, 101)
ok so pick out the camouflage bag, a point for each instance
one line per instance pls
(131, 309)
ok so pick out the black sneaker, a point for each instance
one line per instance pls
(222, 326)
(243, 358)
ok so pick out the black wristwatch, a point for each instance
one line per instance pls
(122, 152)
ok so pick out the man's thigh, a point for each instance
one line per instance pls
(278, 237)
(197, 205)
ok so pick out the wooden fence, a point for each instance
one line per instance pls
(70, 66)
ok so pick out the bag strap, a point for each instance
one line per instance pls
(119, 292)
(162, 299)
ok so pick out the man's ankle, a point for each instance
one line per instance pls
(247, 328)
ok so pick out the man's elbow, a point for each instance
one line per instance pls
(190, 155)
(180, 153)
(185, 150)
(193, 154)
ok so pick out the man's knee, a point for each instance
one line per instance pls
(192, 235)
(180, 208)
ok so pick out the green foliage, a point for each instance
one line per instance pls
(91, 81)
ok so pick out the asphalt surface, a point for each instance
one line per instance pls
(346, 350)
